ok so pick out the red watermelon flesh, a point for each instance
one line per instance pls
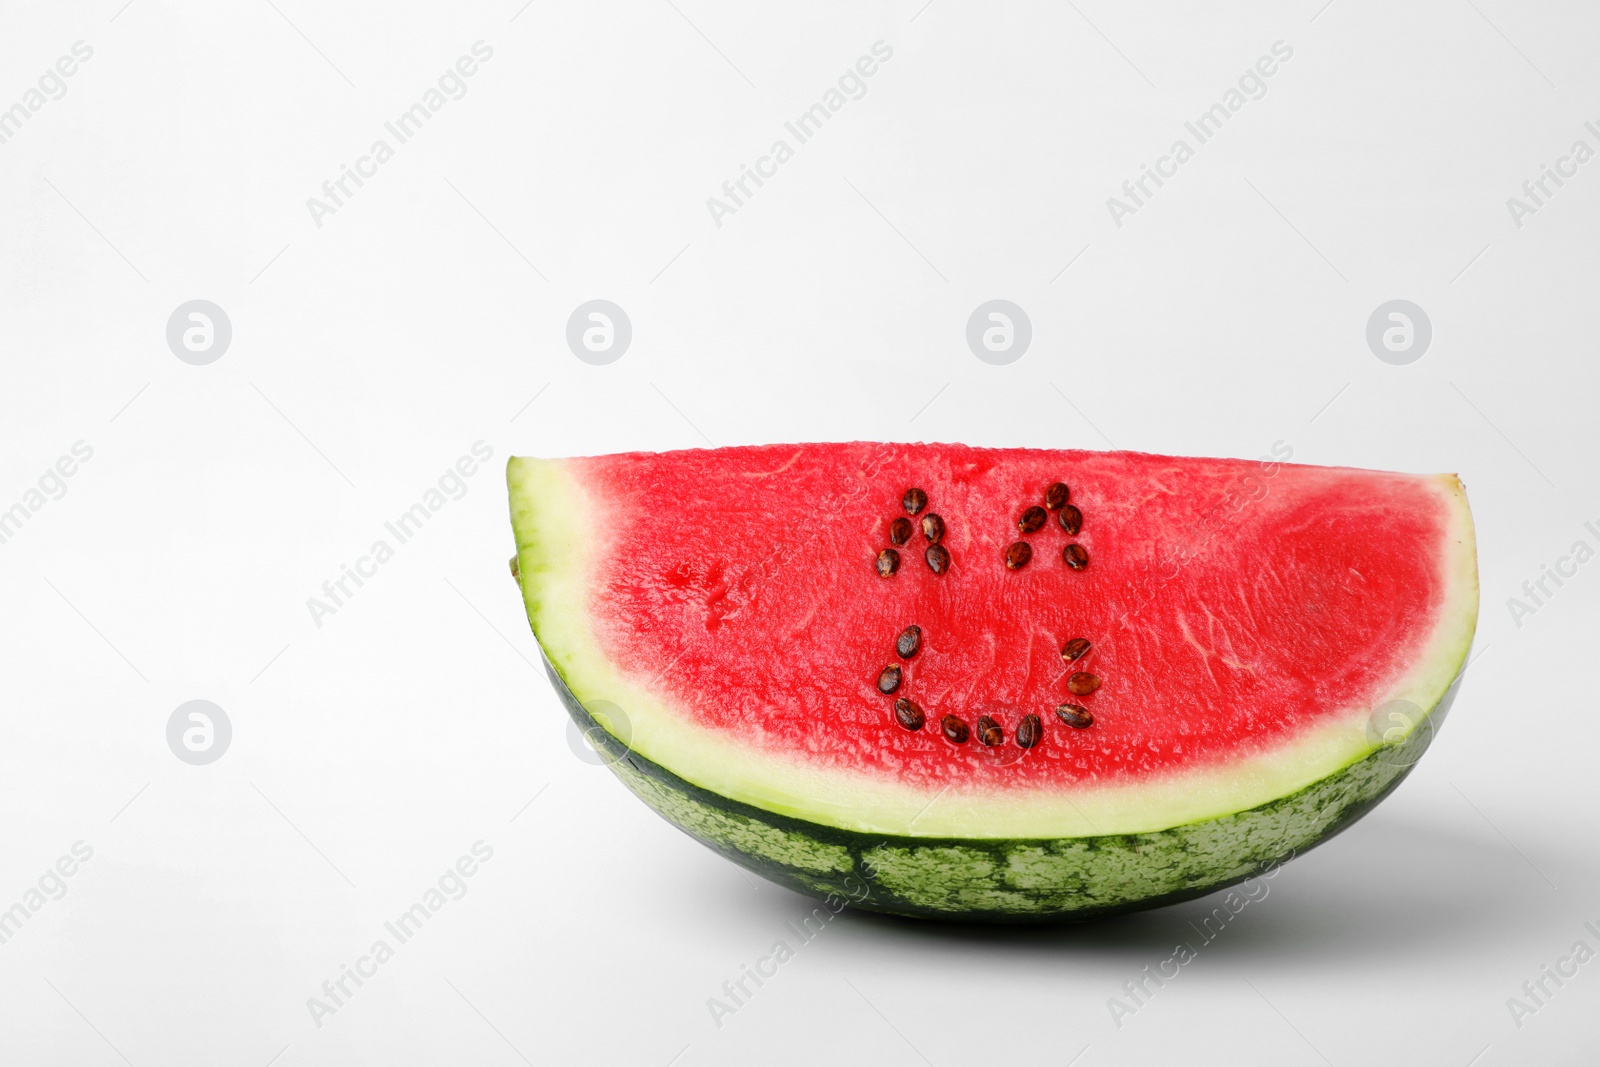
(771, 623)
(1235, 610)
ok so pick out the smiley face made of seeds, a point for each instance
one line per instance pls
(1027, 726)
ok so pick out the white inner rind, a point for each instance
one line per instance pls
(552, 517)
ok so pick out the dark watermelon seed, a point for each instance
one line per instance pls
(888, 562)
(914, 501)
(908, 714)
(1076, 555)
(1077, 648)
(1032, 520)
(933, 527)
(1018, 553)
(1075, 715)
(1055, 497)
(909, 643)
(989, 732)
(1082, 683)
(889, 679)
(938, 558)
(900, 531)
(1029, 731)
(955, 731)
(1071, 519)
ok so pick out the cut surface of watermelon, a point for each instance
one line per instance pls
(724, 617)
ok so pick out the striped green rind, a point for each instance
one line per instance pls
(1013, 880)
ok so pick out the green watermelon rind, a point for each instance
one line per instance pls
(998, 880)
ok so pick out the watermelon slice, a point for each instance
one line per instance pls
(997, 684)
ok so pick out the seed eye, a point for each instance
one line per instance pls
(933, 527)
(1077, 648)
(1075, 715)
(914, 501)
(1029, 731)
(887, 563)
(908, 714)
(889, 679)
(954, 730)
(989, 732)
(1076, 555)
(1032, 520)
(1070, 518)
(1055, 496)
(900, 531)
(1082, 683)
(938, 558)
(1018, 553)
(909, 643)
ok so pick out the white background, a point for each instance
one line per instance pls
(370, 352)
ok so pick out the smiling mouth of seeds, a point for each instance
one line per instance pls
(1029, 730)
